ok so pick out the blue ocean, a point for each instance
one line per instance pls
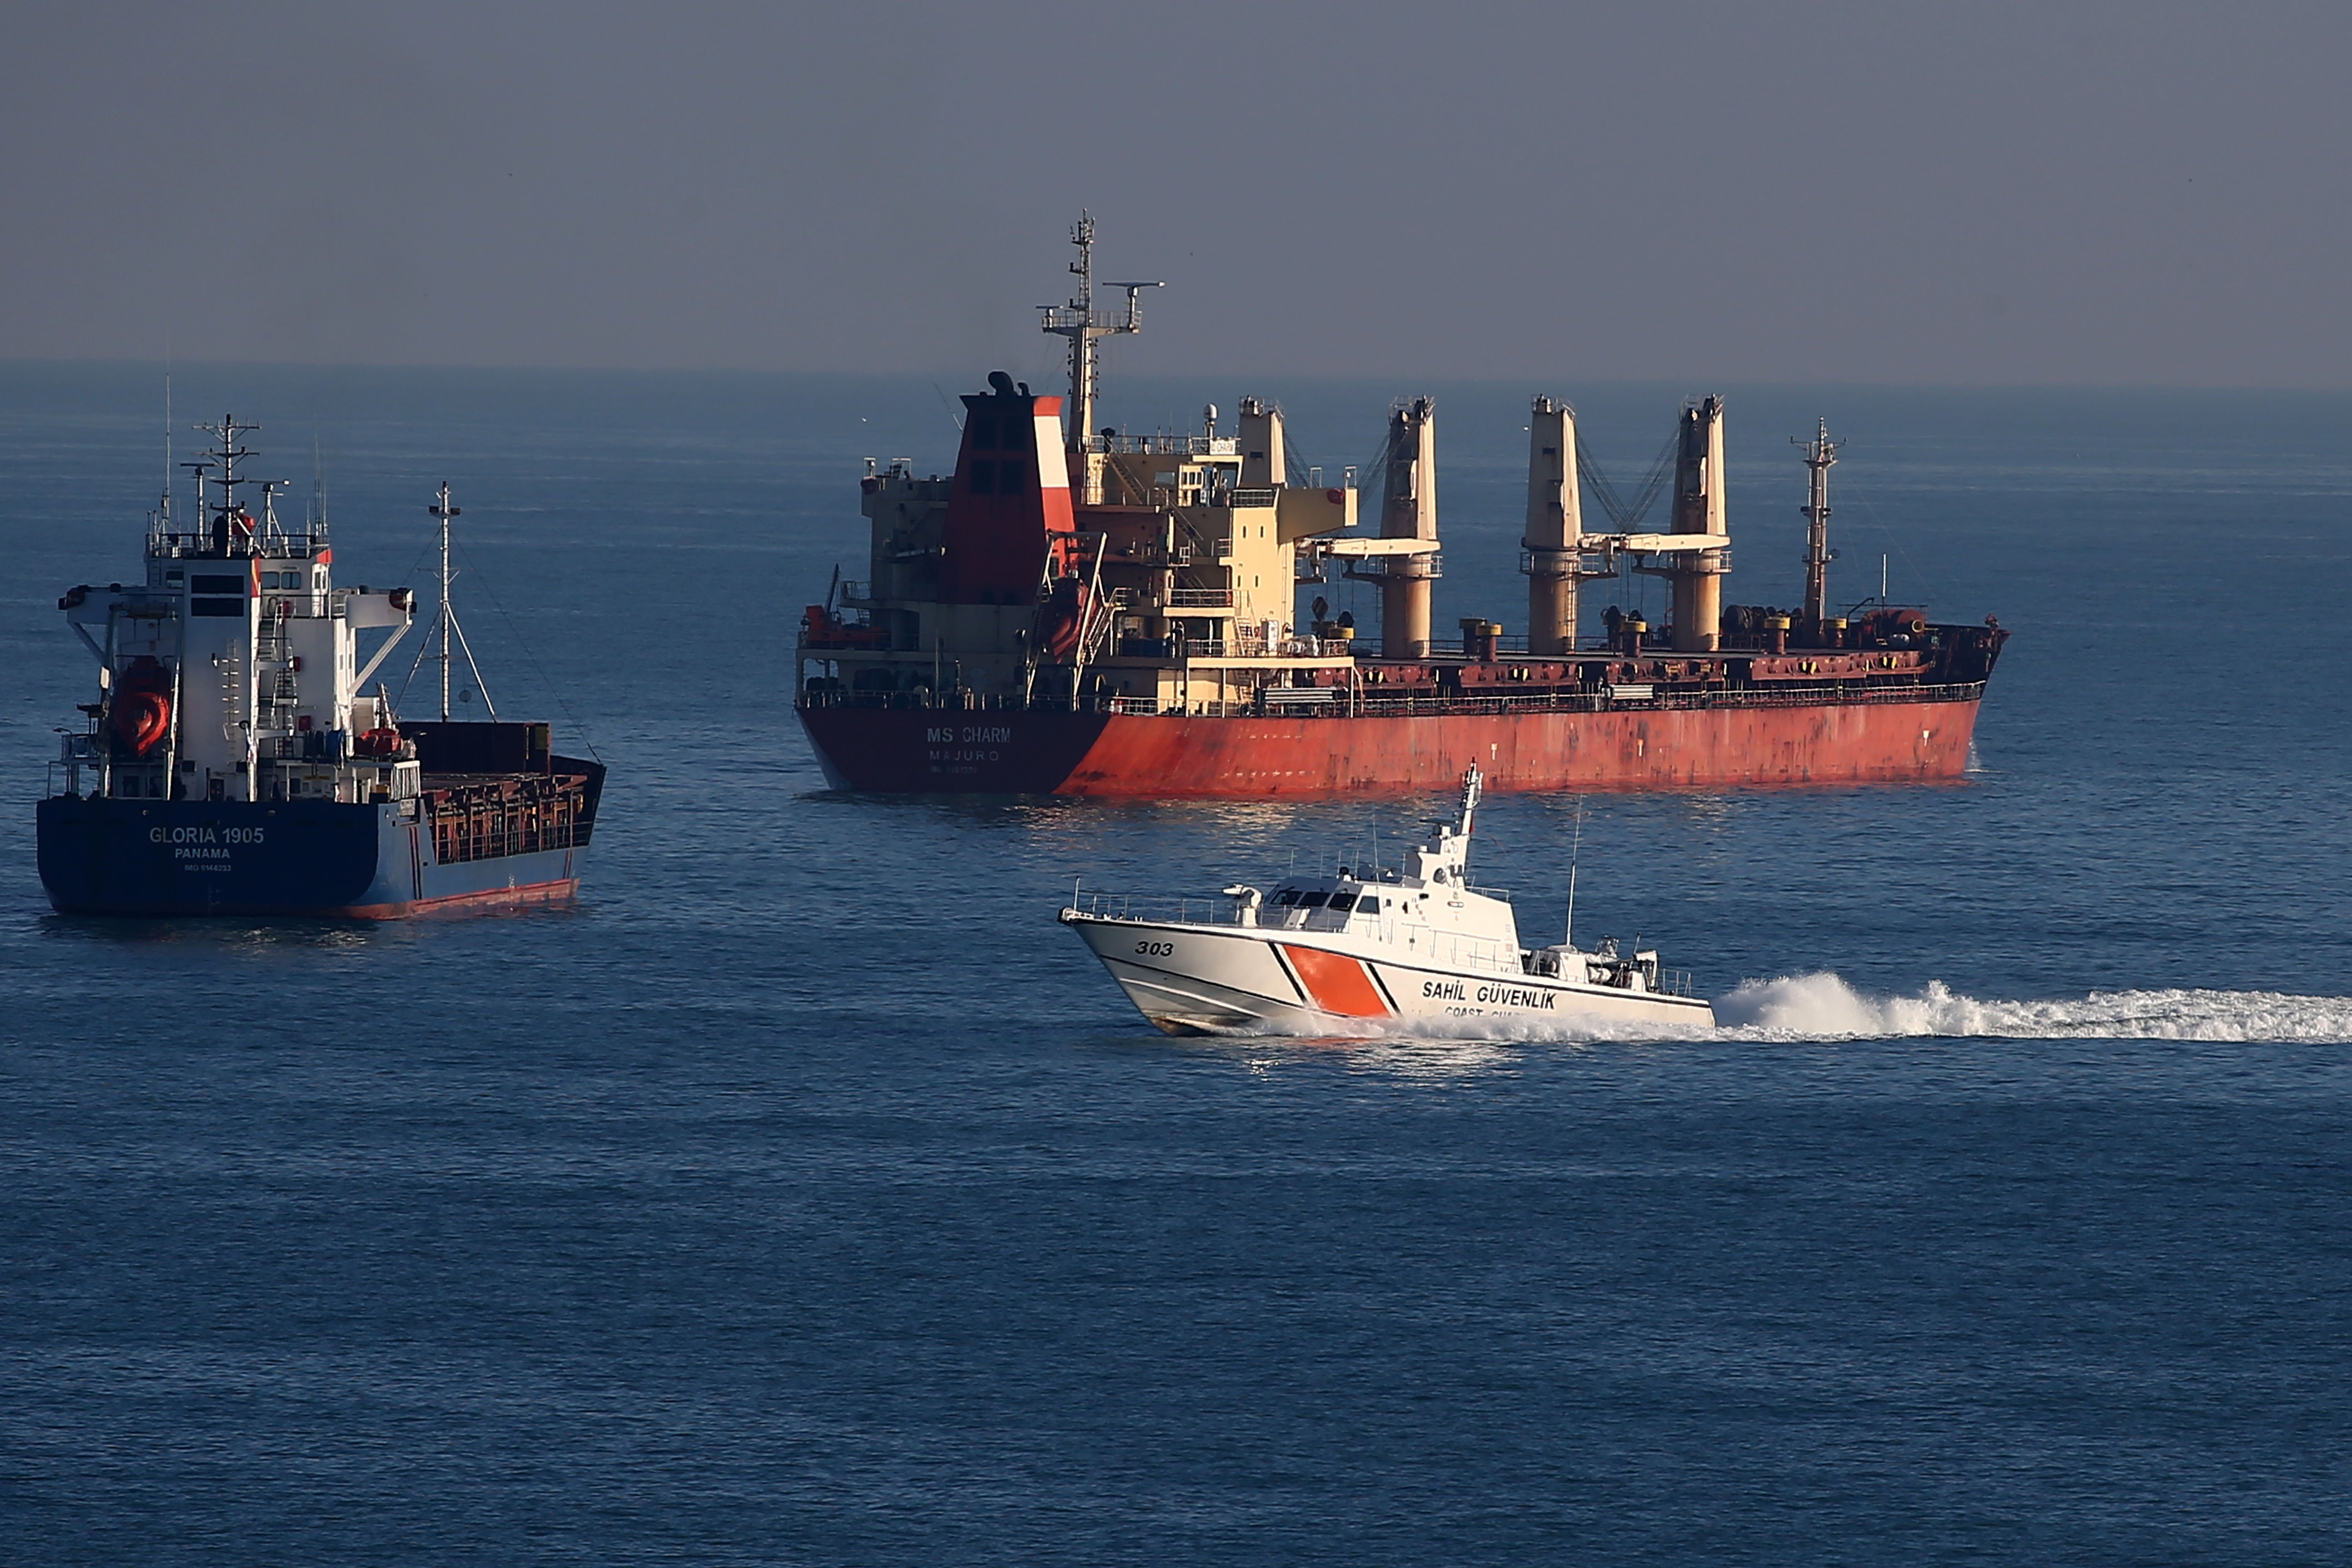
(806, 1196)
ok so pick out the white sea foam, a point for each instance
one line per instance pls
(1823, 1006)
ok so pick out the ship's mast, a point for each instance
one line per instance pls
(1821, 452)
(442, 509)
(228, 452)
(1078, 323)
(317, 523)
(451, 635)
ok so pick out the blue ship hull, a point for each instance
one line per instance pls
(110, 857)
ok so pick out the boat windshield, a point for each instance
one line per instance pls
(1342, 902)
(1311, 901)
(1367, 905)
(1287, 896)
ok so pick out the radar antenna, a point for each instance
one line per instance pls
(1079, 322)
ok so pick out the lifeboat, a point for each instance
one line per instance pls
(1061, 620)
(140, 714)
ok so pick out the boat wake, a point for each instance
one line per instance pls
(1823, 1006)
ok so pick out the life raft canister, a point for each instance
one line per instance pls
(140, 714)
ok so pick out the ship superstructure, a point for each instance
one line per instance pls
(1091, 612)
(235, 761)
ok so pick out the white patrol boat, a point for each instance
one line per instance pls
(1417, 945)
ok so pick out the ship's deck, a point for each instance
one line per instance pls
(1830, 694)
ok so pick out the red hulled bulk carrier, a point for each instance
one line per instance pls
(1076, 612)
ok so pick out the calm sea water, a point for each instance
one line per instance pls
(806, 1196)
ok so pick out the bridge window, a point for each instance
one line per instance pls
(207, 584)
(1311, 901)
(1342, 902)
(984, 477)
(1367, 905)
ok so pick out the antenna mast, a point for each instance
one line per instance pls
(452, 634)
(1821, 452)
(1575, 853)
(1079, 322)
(228, 452)
(317, 521)
(442, 509)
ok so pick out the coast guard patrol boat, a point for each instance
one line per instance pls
(1418, 945)
(236, 763)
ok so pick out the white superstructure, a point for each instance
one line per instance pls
(1417, 944)
(235, 672)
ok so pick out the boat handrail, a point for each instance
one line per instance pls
(1215, 909)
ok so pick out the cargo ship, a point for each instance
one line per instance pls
(1083, 612)
(234, 762)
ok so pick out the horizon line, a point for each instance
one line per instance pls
(177, 363)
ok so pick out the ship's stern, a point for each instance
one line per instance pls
(106, 856)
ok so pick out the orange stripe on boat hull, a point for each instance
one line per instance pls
(1339, 984)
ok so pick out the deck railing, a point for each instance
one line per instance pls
(1847, 693)
(1156, 909)
(1167, 445)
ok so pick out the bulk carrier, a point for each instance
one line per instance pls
(236, 763)
(1082, 612)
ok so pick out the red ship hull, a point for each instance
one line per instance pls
(1173, 757)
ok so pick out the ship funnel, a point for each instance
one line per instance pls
(1264, 464)
(1555, 523)
(1409, 510)
(1699, 509)
(1009, 520)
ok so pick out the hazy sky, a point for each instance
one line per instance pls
(2052, 193)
